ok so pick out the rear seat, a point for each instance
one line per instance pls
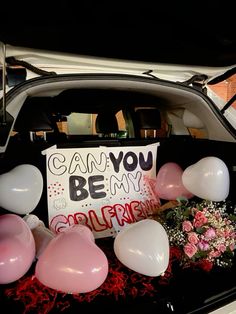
(148, 119)
(36, 122)
(183, 150)
(106, 124)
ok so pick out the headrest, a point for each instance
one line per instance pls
(106, 123)
(33, 117)
(148, 118)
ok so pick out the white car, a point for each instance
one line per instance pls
(57, 100)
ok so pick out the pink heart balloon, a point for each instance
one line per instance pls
(169, 183)
(72, 262)
(17, 248)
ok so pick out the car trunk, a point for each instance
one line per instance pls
(180, 290)
(169, 45)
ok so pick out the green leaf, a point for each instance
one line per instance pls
(228, 253)
(169, 214)
(199, 207)
(201, 254)
(186, 212)
(201, 230)
(232, 217)
(182, 199)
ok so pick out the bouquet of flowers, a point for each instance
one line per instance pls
(204, 232)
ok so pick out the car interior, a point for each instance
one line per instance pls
(89, 117)
(104, 112)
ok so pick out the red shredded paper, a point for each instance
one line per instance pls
(120, 283)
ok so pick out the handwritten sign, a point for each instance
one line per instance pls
(103, 188)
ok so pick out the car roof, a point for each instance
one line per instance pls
(172, 32)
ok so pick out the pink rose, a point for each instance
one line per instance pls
(228, 233)
(210, 234)
(214, 254)
(232, 247)
(199, 219)
(187, 226)
(193, 238)
(190, 249)
(232, 234)
(221, 248)
(203, 245)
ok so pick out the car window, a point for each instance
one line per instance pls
(141, 121)
(85, 123)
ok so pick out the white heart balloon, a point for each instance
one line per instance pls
(207, 179)
(143, 247)
(21, 189)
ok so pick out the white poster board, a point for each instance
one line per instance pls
(103, 188)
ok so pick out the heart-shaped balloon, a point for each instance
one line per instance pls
(72, 262)
(17, 248)
(21, 189)
(169, 185)
(208, 179)
(143, 247)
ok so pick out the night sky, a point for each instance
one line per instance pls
(169, 32)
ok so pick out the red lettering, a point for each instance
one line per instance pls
(153, 205)
(71, 220)
(136, 211)
(58, 223)
(122, 214)
(97, 225)
(82, 218)
(108, 213)
(148, 207)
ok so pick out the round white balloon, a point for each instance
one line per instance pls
(143, 247)
(21, 189)
(207, 179)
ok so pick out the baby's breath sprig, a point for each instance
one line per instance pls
(205, 231)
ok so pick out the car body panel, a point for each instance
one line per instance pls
(65, 63)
